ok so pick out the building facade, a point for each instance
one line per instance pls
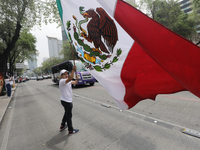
(64, 37)
(55, 47)
(32, 64)
(186, 6)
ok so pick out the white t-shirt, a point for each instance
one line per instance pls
(65, 90)
(7, 81)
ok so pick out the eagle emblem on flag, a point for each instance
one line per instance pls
(100, 31)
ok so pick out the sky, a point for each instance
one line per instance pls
(42, 41)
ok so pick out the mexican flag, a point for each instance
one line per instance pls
(131, 55)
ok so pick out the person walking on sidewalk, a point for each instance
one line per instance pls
(8, 82)
(65, 86)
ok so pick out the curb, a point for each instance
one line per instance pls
(4, 103)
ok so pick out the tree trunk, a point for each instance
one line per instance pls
(3, 63)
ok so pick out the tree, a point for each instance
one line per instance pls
(196, 7)
(37, 70)
(47, 64)
(17, 15)
(149, 7)
(196, 16)
(14, 16)
(25, 48)
(67, 52)
(168, 13)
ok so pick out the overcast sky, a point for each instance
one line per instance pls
(42, 41)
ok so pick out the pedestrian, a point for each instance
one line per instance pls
(65, 86)
(8, 82)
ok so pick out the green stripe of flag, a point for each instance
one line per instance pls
(61, 15)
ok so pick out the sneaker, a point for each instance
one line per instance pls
(63, 127)
(73, 132)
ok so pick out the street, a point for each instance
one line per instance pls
(34, 115)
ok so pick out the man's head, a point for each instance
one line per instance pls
(64, 73)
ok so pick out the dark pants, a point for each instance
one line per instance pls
(67, 115)
(8, 87)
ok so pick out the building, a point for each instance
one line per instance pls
(55, 47)
(44, 58)
(64, 37)
(32, 64)
(186, 6)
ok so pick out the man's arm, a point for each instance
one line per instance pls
(71, 75)
(76, 80)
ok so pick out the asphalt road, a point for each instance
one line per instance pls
(33, 118)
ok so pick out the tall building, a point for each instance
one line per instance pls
(64, 37)
(55, 47)
(186, 6)
(32, 64)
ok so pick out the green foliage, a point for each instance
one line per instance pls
(168, 13)
(18, 15)
(1, 47)
(132, 3)
(196, 13)
(47, 64)
(38, 70)
(67, 52)
(49, 11)
(196, 6)
(20, 72)
(174, 18)
(25, 47)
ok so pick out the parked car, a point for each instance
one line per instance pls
(45, 77)
(23, 79)
(27, 78)
(39, 78)
(49, 76)
(33, 78)
(17, 80)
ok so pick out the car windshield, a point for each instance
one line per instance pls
(80, 66)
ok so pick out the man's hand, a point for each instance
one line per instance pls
(74, 68)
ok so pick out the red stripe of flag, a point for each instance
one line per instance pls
(177, 55)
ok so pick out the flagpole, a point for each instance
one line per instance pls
(73, 56)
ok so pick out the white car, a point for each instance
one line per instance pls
(33, 78)
(45, 77)
(39, 78)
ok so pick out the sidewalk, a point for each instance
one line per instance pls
(4, 103)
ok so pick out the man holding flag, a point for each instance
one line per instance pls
(66, 98)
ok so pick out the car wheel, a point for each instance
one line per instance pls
(92, 84)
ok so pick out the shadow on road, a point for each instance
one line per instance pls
(58, 139)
